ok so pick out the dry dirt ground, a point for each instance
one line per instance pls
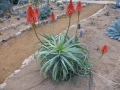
(15, 51)
(106, 71)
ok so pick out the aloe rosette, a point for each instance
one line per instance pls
(62, 60)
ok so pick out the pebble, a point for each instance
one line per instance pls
(26, 62)
(16, 71)
(5, 38)
(11, 75)
(22, 66)
(17, 34)
(84, 5)
(81, 33)
(3, 85)
(22, 30)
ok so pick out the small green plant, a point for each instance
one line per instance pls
(44, 13)
(114, 30)
(37, 2)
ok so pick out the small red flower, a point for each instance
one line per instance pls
(52, 17)
(70, 8)
(31, 16)
(37, 12)
(79, 7)
(104, 49)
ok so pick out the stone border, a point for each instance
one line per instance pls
(30, 58)
(28, 27)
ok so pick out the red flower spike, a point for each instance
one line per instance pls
(37, 12)
(79, 7)
(70, 8)
(104, 49)
(52, 17)
(31, 16)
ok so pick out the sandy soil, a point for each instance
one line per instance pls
(15, 51)
(106, 71)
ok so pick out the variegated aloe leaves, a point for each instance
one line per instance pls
(62, 60)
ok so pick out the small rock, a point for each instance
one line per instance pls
(84, 5)
(17, 34)
(8, 17)
(105, 24)
(59, 3)
(81, 32)
(46, 21)
(43, 22)
(18, 18)
(107, 14)
(16, 71)
(61, 7)
(2, 85)
(26, 62)
(22, 30)
(98, 16)
(22, 66)
(11, 75)
(5, 38)
(59, 16)
(63, 15)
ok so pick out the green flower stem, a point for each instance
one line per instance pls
(33, 25)
(68, 27)
(53, 27)
(77, 23)
(100, 56)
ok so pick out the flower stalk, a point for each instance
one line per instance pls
(34, 26)
(78, 9)
(77, 23)
(32, 18)
(69, 11)
(52, 18)
(68, 27)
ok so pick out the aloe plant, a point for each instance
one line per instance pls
(114, 30)
(62, 60)
(44, 13)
